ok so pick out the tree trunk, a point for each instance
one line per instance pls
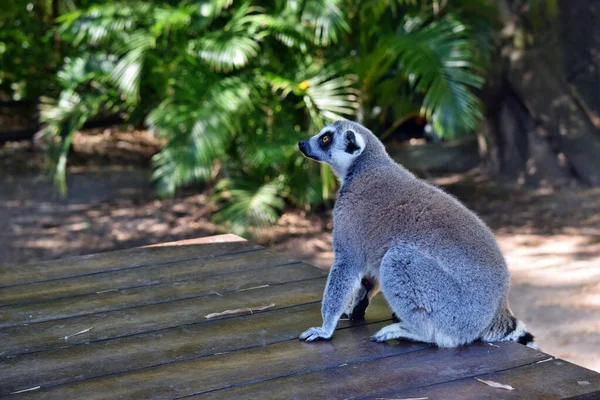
(542, 113)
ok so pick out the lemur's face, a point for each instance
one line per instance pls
(337, 145)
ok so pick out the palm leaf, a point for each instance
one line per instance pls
(439, 62)
(248, 203)
(225, 51)
(327, 19)
(200, 127)
(127, 73)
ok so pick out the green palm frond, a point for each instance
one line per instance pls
(225, 51)
(326, 94)
(213, 8)
(80, 70)
(233, 46)
(288, 30)
(107, 23)
(201, 127)
(127, 73)
(332, 96)
(247, 203)
(63, 119)
(327, 19)
(438, 61)
(64, 116)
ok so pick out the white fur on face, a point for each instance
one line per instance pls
(341, 159)
(336, 155)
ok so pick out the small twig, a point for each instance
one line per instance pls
(107, 291)
(546, 360)
(26, 390)
(412, 398)
(252, 288)
(79, 333)
(238, 310)
(493, 345)
(497, 385)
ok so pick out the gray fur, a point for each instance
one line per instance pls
(438, 264)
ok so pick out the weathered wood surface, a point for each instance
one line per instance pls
(132, 324)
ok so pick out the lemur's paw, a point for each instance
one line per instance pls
(387, 333)
(315, 333)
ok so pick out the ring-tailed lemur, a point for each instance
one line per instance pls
(438, 264)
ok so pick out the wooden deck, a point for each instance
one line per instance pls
(133, 325)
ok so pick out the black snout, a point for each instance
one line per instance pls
(305, 149)
(302, 146)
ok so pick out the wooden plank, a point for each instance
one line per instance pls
(139, 296)
(286, 358)
(109, 325)
(136, 277)
(123, 259)
(163, 347)
(371, 378)
(556, 379)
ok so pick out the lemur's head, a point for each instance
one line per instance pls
(338, 145)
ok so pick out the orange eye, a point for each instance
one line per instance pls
(325, 139)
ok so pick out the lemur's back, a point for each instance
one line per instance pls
(404, 209)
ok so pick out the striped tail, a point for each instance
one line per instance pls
(506, 327)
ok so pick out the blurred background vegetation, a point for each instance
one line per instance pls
(232, 86)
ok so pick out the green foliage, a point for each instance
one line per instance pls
(234, 84)
(28, 51)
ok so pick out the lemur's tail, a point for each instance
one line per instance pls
(506, 327)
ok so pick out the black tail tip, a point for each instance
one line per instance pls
(526, 339)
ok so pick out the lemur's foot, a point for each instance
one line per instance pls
(394, 331)
(315, 333)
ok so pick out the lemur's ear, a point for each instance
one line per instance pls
(351, 145)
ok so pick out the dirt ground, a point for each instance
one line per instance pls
(551, 238)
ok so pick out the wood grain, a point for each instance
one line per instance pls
(165, 346)
(137, 277)
(51, 334)
(551, 380)
(370, 378)
(350, 345)
(135, 297)
(124, 259)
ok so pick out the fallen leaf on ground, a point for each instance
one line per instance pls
(496, 384)
(238, 310)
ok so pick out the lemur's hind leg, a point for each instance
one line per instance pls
(433, 306)
(356, 310)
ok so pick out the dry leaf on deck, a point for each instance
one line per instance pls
(496, 384)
